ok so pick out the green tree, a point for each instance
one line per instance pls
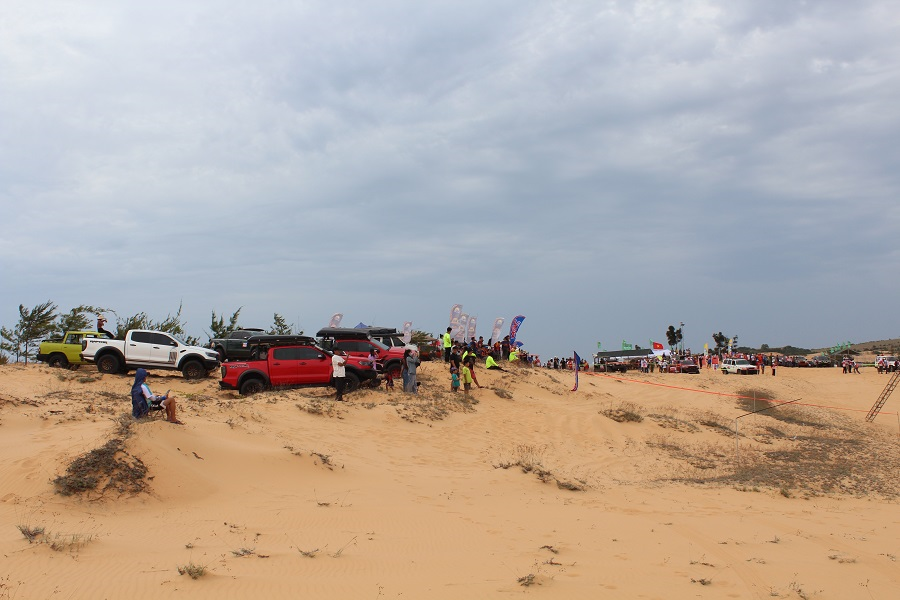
(33, 325)
(281, 327)
(10, 342)
(172, 324)
(217, 327)
(421, 338)
(721, 341)
(673, 336)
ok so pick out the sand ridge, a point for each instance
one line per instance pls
(524, 488)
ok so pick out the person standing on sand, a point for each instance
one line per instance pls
(404, 369)
(412, 362)
(454, 379)
(338, 369)
(466, 379)
(448, 344)
(774, 362)
(471, 364)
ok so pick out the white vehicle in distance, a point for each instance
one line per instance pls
(741, 366)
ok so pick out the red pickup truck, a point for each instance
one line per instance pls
(289, 361)
(358, 343)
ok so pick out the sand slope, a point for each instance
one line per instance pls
(289, 494)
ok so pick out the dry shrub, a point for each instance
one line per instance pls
(503, 393)
(110, 465)
(625, 412)
(433, 404)
(193, 570)
(529, 458)
(672, 422)
(811, 452)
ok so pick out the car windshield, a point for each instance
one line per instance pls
(741, 361)
(380, 345)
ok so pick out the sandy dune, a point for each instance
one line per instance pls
(528, 489)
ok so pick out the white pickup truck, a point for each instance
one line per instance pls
(150, 350)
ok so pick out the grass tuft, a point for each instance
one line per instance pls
(195, 571)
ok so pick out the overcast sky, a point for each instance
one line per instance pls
(605, 168)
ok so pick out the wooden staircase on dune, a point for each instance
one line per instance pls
(885, 394)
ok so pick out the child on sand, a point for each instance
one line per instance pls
(466, 379)
(454, 379)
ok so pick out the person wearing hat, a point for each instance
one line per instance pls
(100, 323)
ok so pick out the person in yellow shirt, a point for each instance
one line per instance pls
(448, 343)
(490, 363)
(466, 379)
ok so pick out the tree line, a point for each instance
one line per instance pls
(44, 321)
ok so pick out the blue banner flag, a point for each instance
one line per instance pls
(514, 328)
(577, 368)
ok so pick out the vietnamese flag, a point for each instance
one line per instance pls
(657, 346)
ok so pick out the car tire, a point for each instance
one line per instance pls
(193, 369)
(352, 383)
(221, 352)
(58, 361)
(252, 386)
(109, 364)
(393, 370)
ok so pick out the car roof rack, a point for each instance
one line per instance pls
(281, 340)
(344, 333)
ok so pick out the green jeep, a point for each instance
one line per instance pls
(66, 352)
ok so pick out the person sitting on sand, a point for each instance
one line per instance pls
(490, 363)
(142, 397)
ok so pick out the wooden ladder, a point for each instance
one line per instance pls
(885, 394)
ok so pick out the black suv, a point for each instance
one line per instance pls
(233, 345)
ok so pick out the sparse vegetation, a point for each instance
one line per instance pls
(193, 570)
(57, 542)
(32, 534)
(503, 393)
(110, 466)
(625, 412)
(529, 458)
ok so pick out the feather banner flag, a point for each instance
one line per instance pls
(514, 328)
(336, 320)
(455, 312)
(463, 327)
(577, 368)
(495, 332)
(473, 321)
(407, 332)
